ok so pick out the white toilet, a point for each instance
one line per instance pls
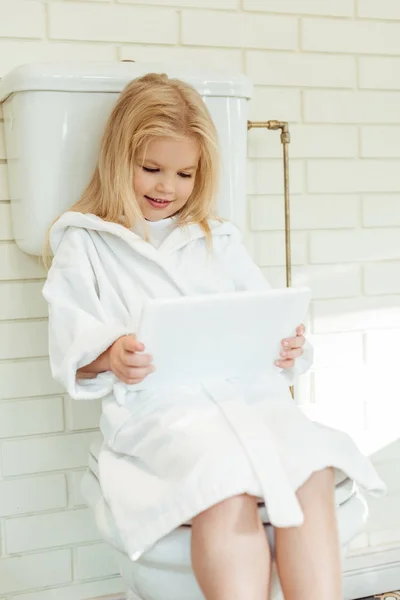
(54, 118)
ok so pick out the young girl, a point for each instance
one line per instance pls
(145, 227)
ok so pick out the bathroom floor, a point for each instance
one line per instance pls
(384, 596)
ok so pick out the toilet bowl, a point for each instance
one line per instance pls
(165, 572)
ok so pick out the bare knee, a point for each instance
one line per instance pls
(231, 511)
(319, 484)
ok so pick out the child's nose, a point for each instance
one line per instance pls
(166, 185)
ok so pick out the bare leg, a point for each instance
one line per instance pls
(308, 557)
(230, 552)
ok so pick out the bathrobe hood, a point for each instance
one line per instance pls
(180, 237)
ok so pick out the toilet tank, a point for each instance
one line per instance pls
(55, 114)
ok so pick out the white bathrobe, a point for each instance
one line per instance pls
(168, 456)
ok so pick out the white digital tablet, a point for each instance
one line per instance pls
(194, 338)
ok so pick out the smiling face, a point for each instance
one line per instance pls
(164, 176)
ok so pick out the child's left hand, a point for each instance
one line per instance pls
(292, 348)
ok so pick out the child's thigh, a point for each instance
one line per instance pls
(231, 512)
(320, 485)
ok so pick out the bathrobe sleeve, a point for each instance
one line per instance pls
(248, 276)
(79, 328)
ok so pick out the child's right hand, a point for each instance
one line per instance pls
(126, 364)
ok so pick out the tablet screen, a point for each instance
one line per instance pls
(195, 338)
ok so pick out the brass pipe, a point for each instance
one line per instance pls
(285, 139)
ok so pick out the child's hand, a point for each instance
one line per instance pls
(126, 364)
(292, 348)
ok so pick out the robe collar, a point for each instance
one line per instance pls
(179, 237)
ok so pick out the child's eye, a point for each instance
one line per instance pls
(153, 170)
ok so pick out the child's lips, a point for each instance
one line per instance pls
(157, 203)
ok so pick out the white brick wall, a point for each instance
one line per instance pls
(330, 281)
(354, 245)
(217, 4)
(14, 53)
(308, 141)
(285, 102)
(382, 278)
(239, 30)
(108, 23)
(334, 8)
(32, 494)
(330, 68)
(221, 58)
(22, 300)
(384, 9)
(83, 415)
(344, 36)
(50, 453)
(23, 339)
(353, 176)
(26, 23)
(301, 69)
(36, 532)
(330, 106)
(29, 417)
(21, 573)
(3, 182)
(5, 222)
(75, 591)
(307, 212)
(268, 175)
(25, 378)
(74, 487)
(94, 561)
(379, 73)
(380, 142)
(356, 313)
(270, 248)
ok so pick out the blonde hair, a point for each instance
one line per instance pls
(149, 107)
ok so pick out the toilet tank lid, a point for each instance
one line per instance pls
(113, 76)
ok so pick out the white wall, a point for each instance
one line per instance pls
(332, 69)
